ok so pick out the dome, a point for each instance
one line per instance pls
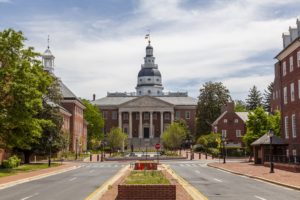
(149, 72)
(149, 47)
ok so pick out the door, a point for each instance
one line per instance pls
(146, 132)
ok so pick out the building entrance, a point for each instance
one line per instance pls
(146, 132)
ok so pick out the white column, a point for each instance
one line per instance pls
(130, 124)
(141, 125)
(172, 117)
(120, 120)
(161, 123)
(151, 124)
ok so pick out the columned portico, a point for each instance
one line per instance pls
(130, 124)
(141, 125)
(151, 125)
(161, 123)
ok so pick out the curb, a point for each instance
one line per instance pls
(98, 193)
(192, 191)
(258, 178)
(24, 180)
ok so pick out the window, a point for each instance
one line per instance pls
(294, 133)
(236, 121)
(149, 91)
(286, 128)
(114, 115)
(167, 116)
(298, 58)
(177, 115)
(125, 115)
(154, 116)
(285, 95)
(149, 79)
(157, 80)
(287, 152)
(274, 95)
(187, 114)
(137, 116)
(146, 116)
(225, 121)
(238, 133)
(292, 92)
(291, 64)
(224, 133)
(295, 155)
(104, 114)
(284, 68)
(299, 89)
(141, 80)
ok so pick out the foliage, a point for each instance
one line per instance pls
(267, 97)
(116, 138)
(259, 123)
(146, 177)
(11, 162)
(210, 101)
(23, 83)
(215, 152)
(236, 151)
(254, 99)
(240, 106)
(95, 124)
(174, 136)
(212, 140)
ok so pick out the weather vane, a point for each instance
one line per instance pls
(48, 41)
(147, 37)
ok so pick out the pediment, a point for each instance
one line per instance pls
(146, 101)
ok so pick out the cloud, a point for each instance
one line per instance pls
(5, 1)
(228, 41)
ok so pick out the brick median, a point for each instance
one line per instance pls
(246, 168)
(24, 175)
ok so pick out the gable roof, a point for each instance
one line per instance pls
(242, 115)
(180, 101)
(265, 139)
(66, 92)
(112, 101)
(146, 101)
(218, 119)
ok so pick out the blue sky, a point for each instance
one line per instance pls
(99, 44)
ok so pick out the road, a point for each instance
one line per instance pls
(217, 184)
(74, 184)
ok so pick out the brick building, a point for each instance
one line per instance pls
(71, 109)
(231, 124)
(146, 113)
(286, 91)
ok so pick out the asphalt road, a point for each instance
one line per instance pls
(217, 184)
(74, 184)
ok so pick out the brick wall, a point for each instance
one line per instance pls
(146, 192)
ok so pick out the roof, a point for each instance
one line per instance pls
(218, 119)
(265, 139)
(115, 101)
(243, 115)
(66, 92)
(294, 41)
(149, 72)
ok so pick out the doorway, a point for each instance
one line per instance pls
(146, 132)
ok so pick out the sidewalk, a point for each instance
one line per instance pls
(196, 155)
(280, 177)
(33, 175)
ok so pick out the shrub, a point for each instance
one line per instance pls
(214, 152)
(11, 162)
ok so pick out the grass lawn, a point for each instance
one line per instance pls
(25, 168)
(146, 177)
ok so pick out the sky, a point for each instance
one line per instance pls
(99, 45)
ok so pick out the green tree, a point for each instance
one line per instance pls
(210, 143)
(174, 136)
(23, 83)
(254, 99)
(210, 101)
(240, 106)
(275, 122)
(116, 138)
(267, 97)
(95, 125)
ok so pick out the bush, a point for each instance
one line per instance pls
(214, 152)
(236, 151)
(11, 162)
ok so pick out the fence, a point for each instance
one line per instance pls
(283, 159)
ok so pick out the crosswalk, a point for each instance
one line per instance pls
(94, 166)
(190, 165)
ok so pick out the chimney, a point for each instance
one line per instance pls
(286, 39)
(229, 107)
(293, 33)
(94, 97)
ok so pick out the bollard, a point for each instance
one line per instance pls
(91, 158)
(199, 156)
(97, 157)
(187, 154)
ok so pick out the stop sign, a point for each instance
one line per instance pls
(157, 146)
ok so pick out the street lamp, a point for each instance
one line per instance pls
(76, 149)
(49, 158)
(103, 143)
(223, 142)
(270, 135)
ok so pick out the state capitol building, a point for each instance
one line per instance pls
(146, 113)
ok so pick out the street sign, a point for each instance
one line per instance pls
(157, 146)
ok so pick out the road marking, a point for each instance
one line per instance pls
(258, 197)
(218, 180)
(29, 196)
(197, 172)
(72, 179)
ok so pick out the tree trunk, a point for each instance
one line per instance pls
(27, 155)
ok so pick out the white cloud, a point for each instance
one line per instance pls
(215, 42)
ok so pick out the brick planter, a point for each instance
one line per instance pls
(146, 192)
(145, 165)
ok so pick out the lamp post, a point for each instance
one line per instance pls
(223, 152)
(271, 134)
(50, 149)
(76, 148)
(102, 152)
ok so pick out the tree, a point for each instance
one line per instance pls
(116, 138)
(254, 99)
(212, 97)
(174, 136)
(211, 143)
(95, 124)
(267, 97)
(259, 123)
(23, 83)
(240, 106)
